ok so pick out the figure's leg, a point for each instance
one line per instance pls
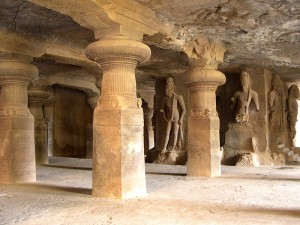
(175, 132)
(167, 136)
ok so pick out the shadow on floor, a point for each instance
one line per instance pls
(67, 167)
(53, 187)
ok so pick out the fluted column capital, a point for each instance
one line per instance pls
(37, 90)
(112, 49)
(11, 70)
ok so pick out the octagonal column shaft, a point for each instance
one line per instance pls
(204, 158)
(37, 95)
(118, 158)
(17, 157)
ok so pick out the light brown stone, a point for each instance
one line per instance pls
(17, 157)
(118, 161)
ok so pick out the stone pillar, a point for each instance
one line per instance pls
(204, 156)
(49, 114)
(92, 100)
(118, 163)
(37, 94)
(17, 158)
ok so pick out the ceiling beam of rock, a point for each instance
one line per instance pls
(99, 15)
(25, 44)
(77, 79)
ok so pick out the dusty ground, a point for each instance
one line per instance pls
(265, 195)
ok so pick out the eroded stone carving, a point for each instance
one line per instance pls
(292, 112)
(275, 111)
(173, 111)
(243, 98)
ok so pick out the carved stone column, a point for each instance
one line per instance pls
(49, 114)
(92, 100)
(37, 93)
(118, 163)
(17, 157)
(204, 158)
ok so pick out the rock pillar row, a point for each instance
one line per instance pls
(17, 151)
(118, 158)
(37, 94)
(49, 114)
(92, 100)
(202, 79)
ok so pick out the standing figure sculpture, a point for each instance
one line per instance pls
(275, 112)
(174, 111)
(242, 99)
(292, 112)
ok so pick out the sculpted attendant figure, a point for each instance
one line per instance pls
(292, 111)
(242, 99)
(174, 111)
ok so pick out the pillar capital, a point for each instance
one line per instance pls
(114, 49)
(13, 70)
(118, 58)
(37, 90)
(204, 52)
(92, 101)
(204, 77)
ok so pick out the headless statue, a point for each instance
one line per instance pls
(242, 99)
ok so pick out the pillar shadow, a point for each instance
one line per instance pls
(53, 187)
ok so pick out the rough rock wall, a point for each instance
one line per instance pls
(72, 116)
(256, 135)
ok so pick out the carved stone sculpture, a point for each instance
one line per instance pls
(275, 112)
(242, 99)
(292, 112)
(173, 111)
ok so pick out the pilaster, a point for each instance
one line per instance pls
(37, 93)
(49, 115)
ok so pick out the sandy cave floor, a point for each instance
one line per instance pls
(61, 195)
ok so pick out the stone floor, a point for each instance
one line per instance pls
(61, 195)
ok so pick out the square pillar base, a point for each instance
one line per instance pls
(118, 157)
(204, 156)
(17, 156)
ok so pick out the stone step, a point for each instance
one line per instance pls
(290, 153)
(284, 150)
(280, 146)
(294, 158)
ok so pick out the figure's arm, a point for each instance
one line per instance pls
(255, 99)
(234, 100)
(183, 109)
(163, 109)
(271, 102)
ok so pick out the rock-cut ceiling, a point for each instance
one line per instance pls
(256, 33)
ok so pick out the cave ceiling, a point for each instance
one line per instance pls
(256, 33)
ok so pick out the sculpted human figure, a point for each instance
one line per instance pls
(174, 111)
(274, 99)
(292, 111)
(242, 99)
